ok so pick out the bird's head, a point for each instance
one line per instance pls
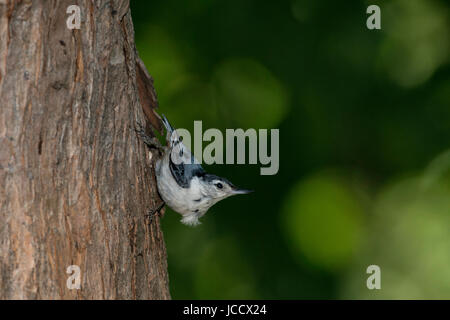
(218, 188)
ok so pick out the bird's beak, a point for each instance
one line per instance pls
(241, 191)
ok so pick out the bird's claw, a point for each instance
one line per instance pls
(153, 212)
(151, 142)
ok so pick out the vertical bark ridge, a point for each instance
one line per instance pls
(75, 182)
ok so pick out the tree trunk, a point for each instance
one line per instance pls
(75, 181)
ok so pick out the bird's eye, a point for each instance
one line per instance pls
(219, 185)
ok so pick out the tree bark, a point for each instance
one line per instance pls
(75, 181)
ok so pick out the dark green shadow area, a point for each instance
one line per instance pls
(364, 120)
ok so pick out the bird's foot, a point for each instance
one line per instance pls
(151, 142)
(153, 212)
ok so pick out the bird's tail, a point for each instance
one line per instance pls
(167, 124)
(171, 136)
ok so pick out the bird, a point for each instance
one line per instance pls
(182, 182)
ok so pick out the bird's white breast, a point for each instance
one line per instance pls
(189, 202)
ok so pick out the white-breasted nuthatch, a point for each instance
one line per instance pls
(182, 182)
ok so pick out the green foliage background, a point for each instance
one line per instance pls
(364, 119)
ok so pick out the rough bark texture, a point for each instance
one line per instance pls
(75, 181)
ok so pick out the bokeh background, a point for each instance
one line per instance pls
(364, 119)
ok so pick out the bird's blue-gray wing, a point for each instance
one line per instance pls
(184, 172)
(182, 163)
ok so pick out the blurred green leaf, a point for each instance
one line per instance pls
(163, 59)
(248, 94)
(409, 240)
(417, 38)
(323, 220)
